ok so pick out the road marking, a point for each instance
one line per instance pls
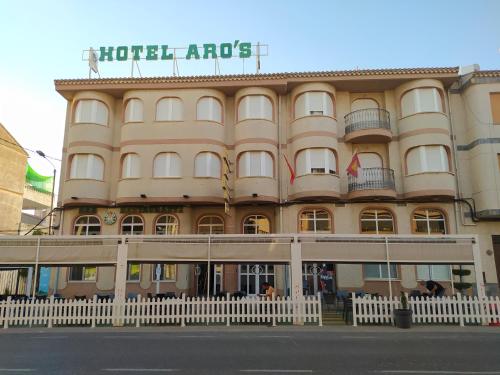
(274, 337)
(280, 371)
(17, 369)
(436, 372)
(195, 337)
(49, 337)
(140, 369)
(358, 337)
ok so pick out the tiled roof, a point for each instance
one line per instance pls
(487, 73)
(266, 76)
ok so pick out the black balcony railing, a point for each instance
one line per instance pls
(372, 178)
(371, 118)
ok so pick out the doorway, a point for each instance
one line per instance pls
(318, 277)
(216, 279)
(252, 276)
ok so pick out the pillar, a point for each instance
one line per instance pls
(296, 269)
(121, 272)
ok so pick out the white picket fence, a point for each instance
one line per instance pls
(177, 311)
(437, 310)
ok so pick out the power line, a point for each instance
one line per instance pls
(27, 149)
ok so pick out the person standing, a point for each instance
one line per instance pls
(435, 289)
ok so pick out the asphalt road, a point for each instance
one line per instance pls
(301, 350)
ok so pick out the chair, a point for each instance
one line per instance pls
(132, 296)
(170, 295)
(415, 293)
(81, 298)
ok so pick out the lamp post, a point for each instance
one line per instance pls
(42, 154)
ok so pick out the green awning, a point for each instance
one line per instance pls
(37, 181)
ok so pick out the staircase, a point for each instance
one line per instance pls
(332, 318)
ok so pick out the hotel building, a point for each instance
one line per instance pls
(187, 156)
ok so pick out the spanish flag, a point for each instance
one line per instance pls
(292, 172)
(354, 165)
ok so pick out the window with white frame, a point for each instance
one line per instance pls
(131, 166)
(83, 273)
(169, 109)
(256, 224)
(211, 225)
(209, 109)
(380, 271)
(87, 226)
(134, 110)
(377, 222)
(255, 107)
(315, 221)
(314, 103)
(427, 159)
(133, 225)
(255, 164)
(86, 166)
(167, 272)
(167, 224)
(316, 161)
(167, 164)
(91, 112)
(134, 272)
(420, 100)
(428, 221)
(363, 103)
(438, 272)
(207, 164)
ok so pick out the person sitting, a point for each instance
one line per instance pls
(435, 289)
(268, 290)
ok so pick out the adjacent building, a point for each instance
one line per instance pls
(208, 155)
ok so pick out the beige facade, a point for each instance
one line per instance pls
(12, 174)
(153, 147)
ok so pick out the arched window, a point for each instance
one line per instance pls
(428, 221)
(133, 225)
(315, 221)
(167, 164)
(427, 159)
(134, 111)
(169, 109)
(211, 225)
(313, 103)
(87, 166)
(91, 112)
(207, 164)
(209, 109)
(377, 222)
(256, 224)
(131, 166)
(255, 107)
(167, 224)
(255, 164)
(363, 103)
(87, 226)
(419, 100)
(316, 160)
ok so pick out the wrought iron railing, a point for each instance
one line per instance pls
(371, 118)
(372, 178)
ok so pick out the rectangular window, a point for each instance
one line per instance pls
(438, 272)
(82, 273)
(133, 272)
(165, 272)
(379, 271)
(87, 166)
(495, 107)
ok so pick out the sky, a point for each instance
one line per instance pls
(43, 40)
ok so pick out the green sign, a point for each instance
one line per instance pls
(206, 51)
(151, 209)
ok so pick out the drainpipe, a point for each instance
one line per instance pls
(388, 266)
(280, 174)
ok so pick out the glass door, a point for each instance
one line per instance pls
(252, 276)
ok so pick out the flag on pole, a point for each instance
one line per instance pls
(93, 60)
(292, 172)
(354, 166)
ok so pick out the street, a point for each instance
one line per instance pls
(251, 350)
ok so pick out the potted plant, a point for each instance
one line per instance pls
(402, 316)
(461, 286)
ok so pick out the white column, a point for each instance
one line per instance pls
(296, 269)
(478, 268)
(121, 272)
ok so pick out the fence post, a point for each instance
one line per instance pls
(183, 315)
(320, 310)
(354, 309)
(459, 310)
(273, 309)
(138, 310)
(51, 311)
(227, 310)
(7, 313)
(94, 311)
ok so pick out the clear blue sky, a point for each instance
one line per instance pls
(43, 40)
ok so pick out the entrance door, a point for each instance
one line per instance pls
(496, 251)
(216, 279)
(252, 276)
(318, 277)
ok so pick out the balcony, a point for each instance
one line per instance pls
(372, 182)
(368, 126)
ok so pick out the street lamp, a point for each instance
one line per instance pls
(42, 154)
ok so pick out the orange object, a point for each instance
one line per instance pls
(354, 165)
